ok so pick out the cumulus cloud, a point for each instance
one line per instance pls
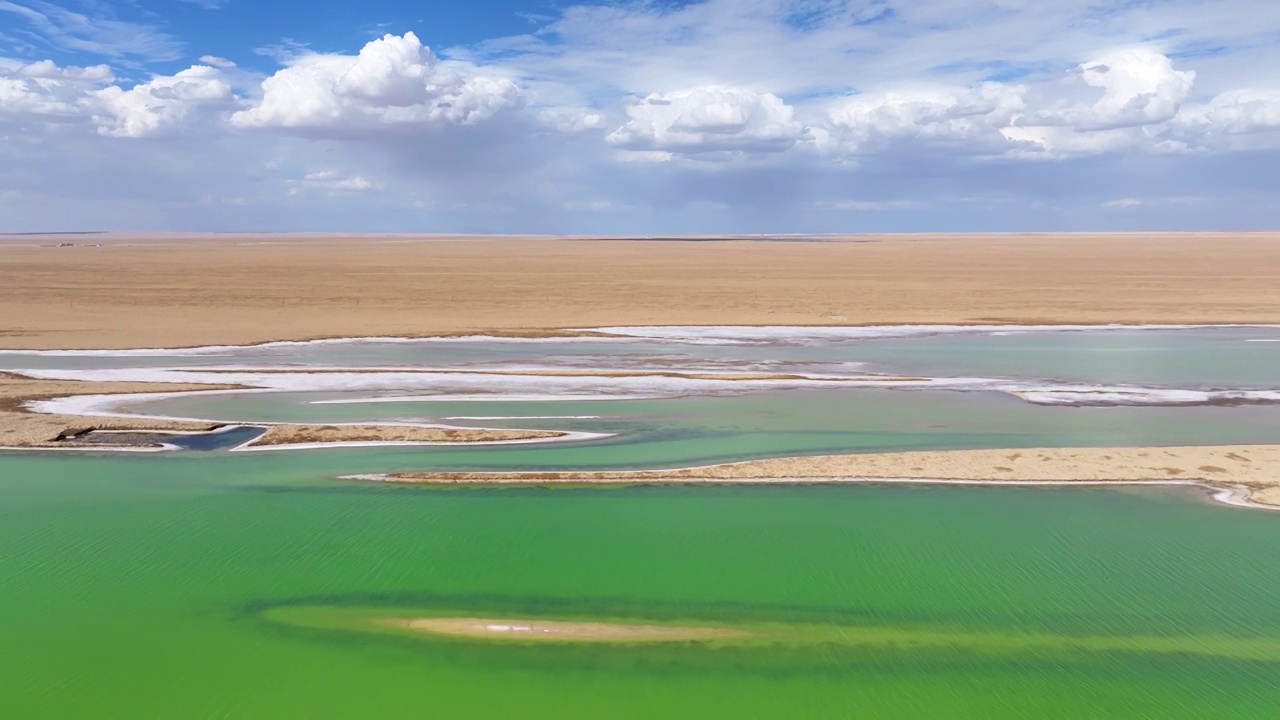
(162, 103)
(45, 91)
(850, 109)
(967, 119)
(394, 81)
(709, 119)
(1142, 94)
(1139, 87)
(1236, 112)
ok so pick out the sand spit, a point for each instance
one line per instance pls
(1249, 473)
(371, 434)
(22, 428)
(559, 631)
(254, 289)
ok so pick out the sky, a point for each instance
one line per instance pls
(639, 117)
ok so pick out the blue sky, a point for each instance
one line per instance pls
(639, 117)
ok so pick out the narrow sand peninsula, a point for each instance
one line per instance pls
(248, 289)
(1249, 471)
(23, 429)
(325, 434)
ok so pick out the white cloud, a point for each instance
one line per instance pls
(967, 119)
(332, 182)
(871, 205)
(99, 34)
(1236, 112)
(394, 81)
(1121, 204)
(1139, 87)
(218, 62)
(595, 119)
(573, 120)
(45, 91)
(709, 119)
(162, 103)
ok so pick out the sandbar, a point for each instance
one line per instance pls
(21, 428)
(313, 434)
(1250, 473)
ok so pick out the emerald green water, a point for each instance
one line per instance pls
(217, 584)
(144, 587)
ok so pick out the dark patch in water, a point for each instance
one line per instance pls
(217, 440)
(202, 442)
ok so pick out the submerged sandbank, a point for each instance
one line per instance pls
(768, 633)
(538, 630)
(1250, 474)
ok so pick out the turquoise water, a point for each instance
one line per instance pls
(697, 431)
(1186, 358)
(144, 587)
(216, 584)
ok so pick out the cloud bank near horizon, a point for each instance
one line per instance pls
(733, 116)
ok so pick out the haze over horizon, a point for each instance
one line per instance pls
(643, 118)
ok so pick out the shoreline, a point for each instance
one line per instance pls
(628, 333)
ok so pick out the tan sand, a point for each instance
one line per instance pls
(21, 428)
(559, 631)
(1253, 471)
(167, 292)
(308, 434)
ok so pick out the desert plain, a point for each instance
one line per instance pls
(122, 291)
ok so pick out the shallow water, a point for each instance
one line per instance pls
(702, 430)
(195, 584)
(145, 587)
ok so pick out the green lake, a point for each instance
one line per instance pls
(219, 584)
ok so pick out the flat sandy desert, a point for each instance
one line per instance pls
(115, 291)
